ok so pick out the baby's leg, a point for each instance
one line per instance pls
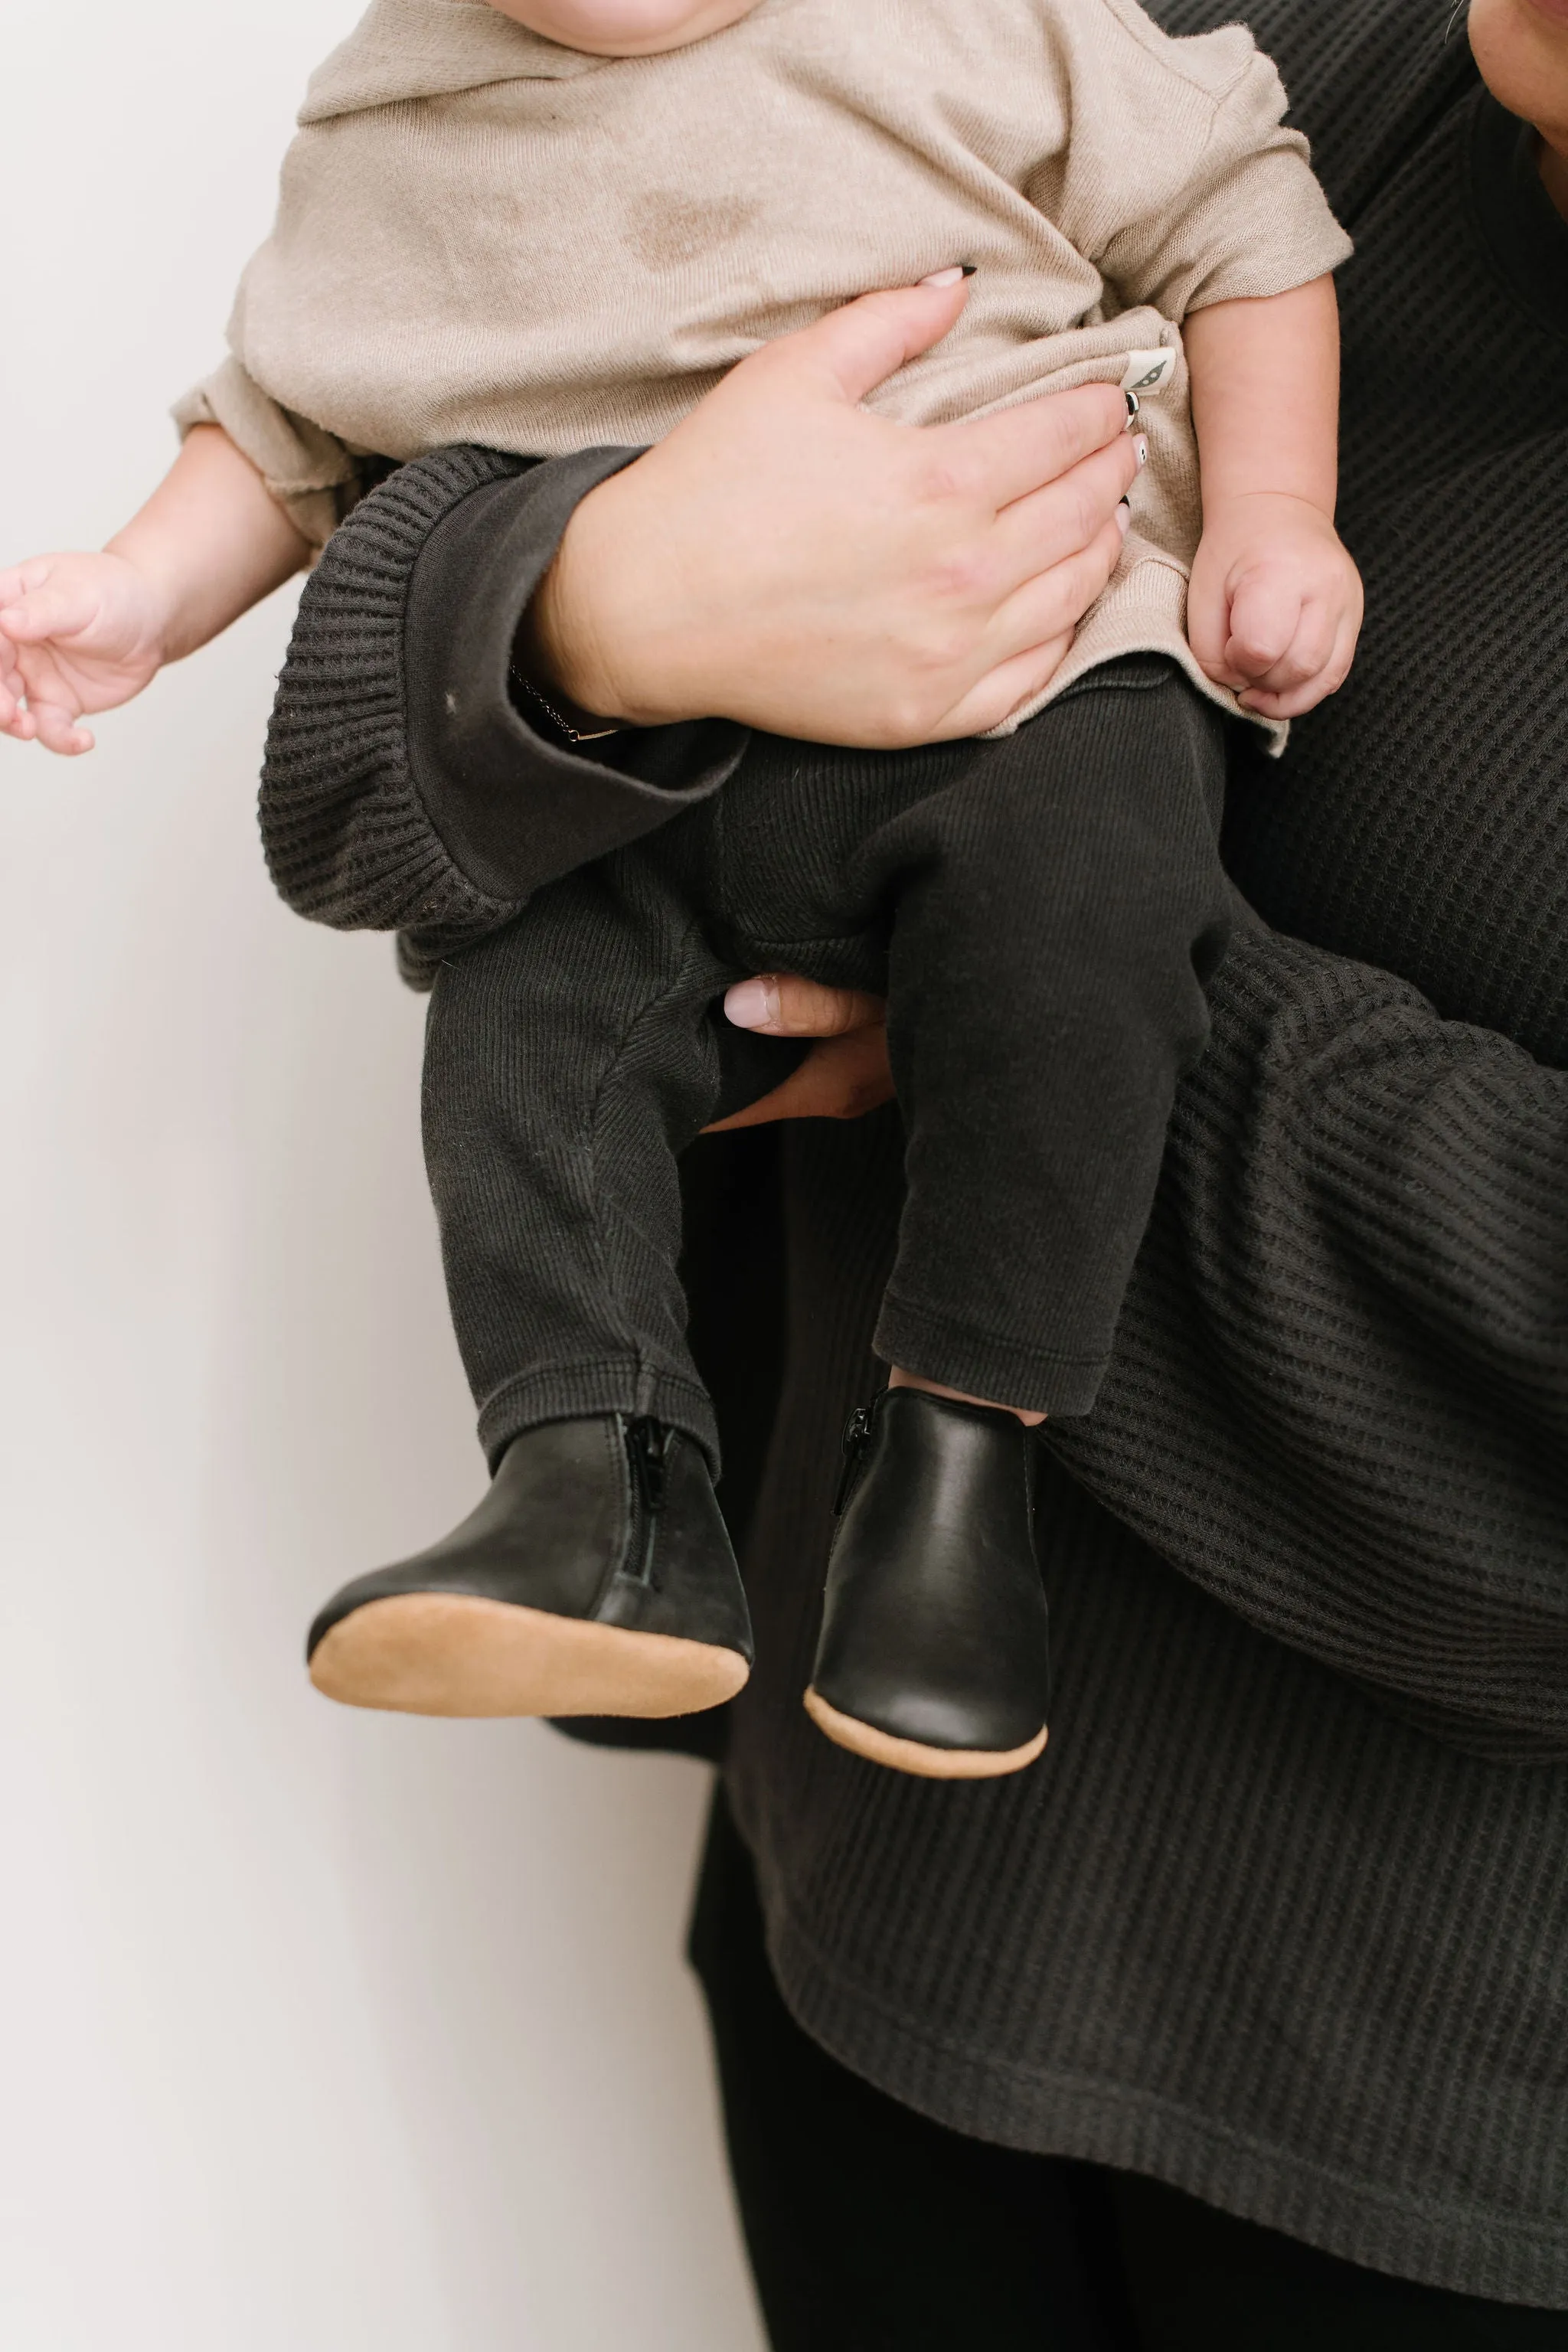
(1057, 911)
(569, 1059)
(1064, 908)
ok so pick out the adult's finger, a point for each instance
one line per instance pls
(782, 1004)
(1058, 521)
(842, 1077)
(1003, 691)
(1032, 638)
(854, 348)
(1005, 457)
(1055, 598)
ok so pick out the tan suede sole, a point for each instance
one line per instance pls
(912, 1755)
(454, 1654)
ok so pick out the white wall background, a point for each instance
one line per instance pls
(318, 2030)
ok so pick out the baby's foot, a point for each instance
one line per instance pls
(595, 1578)
(935, 1657)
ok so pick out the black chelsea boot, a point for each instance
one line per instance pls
(934, 1657)
(595, 1578)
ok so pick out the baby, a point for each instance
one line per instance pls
(550, 224)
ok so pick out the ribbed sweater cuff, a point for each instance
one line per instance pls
(513, 810)
(402, 791)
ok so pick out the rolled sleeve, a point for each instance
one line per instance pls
(403, 790)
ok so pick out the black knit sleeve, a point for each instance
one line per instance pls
(403, 788)
(1340, 1399)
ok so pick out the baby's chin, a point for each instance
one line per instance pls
(625, 28)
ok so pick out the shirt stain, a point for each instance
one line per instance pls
(664, 228)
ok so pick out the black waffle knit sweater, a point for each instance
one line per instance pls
(1282, 1915)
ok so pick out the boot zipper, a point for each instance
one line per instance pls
(648, 1458)
(856, 1437)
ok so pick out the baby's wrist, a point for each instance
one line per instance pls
(1247, 505)
(156, 597)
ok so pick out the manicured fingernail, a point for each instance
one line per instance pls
(1133, 405)
(752, 1003)
(1124, 518)
(1141, 447)
(949, 277)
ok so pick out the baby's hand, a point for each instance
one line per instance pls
(1275, 603)
(78, 633)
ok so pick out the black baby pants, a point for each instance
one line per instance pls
(1042, 910)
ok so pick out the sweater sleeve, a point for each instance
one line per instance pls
(1340, 1399)
(403, 788)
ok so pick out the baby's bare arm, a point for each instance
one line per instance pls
(1275, 603)
(81, 632)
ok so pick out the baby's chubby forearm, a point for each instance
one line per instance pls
(82, 633)
(1275, 603)
(211, 542)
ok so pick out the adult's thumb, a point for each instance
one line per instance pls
(858, 347)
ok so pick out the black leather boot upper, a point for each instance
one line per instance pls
(934, 1627)
(606, 1519)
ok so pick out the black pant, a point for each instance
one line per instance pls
(1043, 911)
(871, 2229)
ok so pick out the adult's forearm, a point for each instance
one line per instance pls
(403, 787)
(1340, 1398)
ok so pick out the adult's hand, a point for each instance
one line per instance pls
(846, 1075)
(790, 560)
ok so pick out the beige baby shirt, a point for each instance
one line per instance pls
(483, 237)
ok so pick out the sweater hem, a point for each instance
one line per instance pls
(1462, 2249)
